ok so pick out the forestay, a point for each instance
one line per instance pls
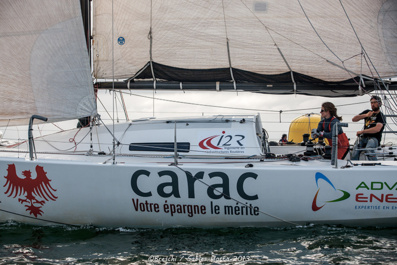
(44, 66)
(317, 46)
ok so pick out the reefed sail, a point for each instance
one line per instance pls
(44, 67)
(284, 45)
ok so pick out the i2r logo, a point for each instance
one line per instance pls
(223, 141)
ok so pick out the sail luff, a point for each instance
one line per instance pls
(44, 62)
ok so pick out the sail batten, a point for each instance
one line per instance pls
(44, 62)
(332, 41)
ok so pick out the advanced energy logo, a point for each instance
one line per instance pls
(344, 196)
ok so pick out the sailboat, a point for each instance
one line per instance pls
(204, 171)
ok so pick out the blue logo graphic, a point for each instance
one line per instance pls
(121, 41)
(345, 195)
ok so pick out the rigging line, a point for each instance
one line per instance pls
(237, 201)
(116, 106)
(362, 47)
(114, 94)
(153, 103)
(389, 105)
(278, 48)
(260, 21)
(318, 35)
(224, 18)
(110, 116)
(92, 121)
(285, 37)
(274, 42)
(151, 51)
(8, 123)
(388, 108)
(228, 47)
(354, 30)
(114, 137)
(70, 141)
(124, 106)
(97, 138)
(150, 36)
(122, 138)
(73, 139)
(57, 126)
(391, 100)
(366, 61)
(289, 67)
(197, 104)
(234, 108)
(40, 219)
(361, 71)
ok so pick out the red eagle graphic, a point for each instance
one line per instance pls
(30, 188)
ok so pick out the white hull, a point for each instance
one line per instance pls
(277, 194)
(146, 188)
(123, 176)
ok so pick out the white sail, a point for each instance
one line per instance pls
(44, 66)
(327, 40)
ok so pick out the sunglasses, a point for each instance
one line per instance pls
(322, 110)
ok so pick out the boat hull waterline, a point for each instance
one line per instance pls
(223, 194)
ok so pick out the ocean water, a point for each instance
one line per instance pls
(25, 244)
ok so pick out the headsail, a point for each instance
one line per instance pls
(44, 67)
(303, 46)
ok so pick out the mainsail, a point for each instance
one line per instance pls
(331, 48)
(44, 67)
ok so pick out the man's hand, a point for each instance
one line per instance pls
(369, 114)
(362, 116)
(359, 133)
(372, 130)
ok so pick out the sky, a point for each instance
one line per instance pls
(141, 104)
(170, 104)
